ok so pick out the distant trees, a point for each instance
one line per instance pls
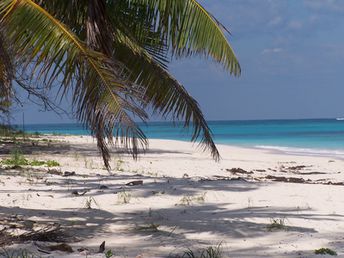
(112, 55)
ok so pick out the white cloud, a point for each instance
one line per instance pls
(272, 51)
(275, 21)
(295, 25)
(322, 5)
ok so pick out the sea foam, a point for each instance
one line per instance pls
(304, 151)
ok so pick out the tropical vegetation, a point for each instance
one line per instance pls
(112, 57)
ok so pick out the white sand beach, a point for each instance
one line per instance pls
(253, 203)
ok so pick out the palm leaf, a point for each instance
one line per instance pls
(6, 75)
(162, 92)
(189, 29)
(112, 85)
(98, 83)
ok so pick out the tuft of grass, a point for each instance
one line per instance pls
(76, 156)
(185, 200)
(88, 163)
(151, 227)
(119, 164)
(210, 252)
(108, 254)
(18, 254)
(48, 163)
(88, 202)
(17, 159)
(277, 224)
(123, 197)
(189, 200)
(52, 163)
(325, 251)
(37, 163)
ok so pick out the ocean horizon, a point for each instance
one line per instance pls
(323, 137)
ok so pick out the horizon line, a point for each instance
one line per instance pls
(217, 120)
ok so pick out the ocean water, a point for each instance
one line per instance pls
(309, 136)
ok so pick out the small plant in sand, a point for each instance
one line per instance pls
(150, 228)
(119, 164)
(52, 163)
(123, 197)
(17, 254)
(76, 156)
(108, 254)
(277, 224)
(88, 163)
(37, 163)
(152, 174)
(249, 202)
(186, 201)
(210, 252)
(200, 198)
(89, 201)
(17, 159)
(48, 163)
(324, 251)
(189, 200)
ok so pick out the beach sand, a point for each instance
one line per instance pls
(253, 203)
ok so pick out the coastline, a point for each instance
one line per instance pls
(274, 149)
(185, 201)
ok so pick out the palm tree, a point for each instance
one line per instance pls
(112, 55)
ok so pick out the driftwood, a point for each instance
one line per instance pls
(239, 171)
(132, 183)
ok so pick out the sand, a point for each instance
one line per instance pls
(186, 200)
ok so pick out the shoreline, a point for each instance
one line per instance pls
(273, 149)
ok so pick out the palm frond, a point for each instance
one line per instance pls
(98, 82)
(6, 75)
(134, 22)
(189, 29)
(116, 62)
(162, 92)
(73, 13)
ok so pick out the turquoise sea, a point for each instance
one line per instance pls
(308, 136)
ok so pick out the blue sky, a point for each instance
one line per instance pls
(292, 58)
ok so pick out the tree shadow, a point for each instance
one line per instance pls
(32, 147)
(178, 224)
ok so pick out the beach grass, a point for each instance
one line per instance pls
(209, 252)
(325, 251)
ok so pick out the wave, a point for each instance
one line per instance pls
(304, 151)
(340, 119)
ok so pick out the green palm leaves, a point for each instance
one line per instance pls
(112, 55)
(189, 29)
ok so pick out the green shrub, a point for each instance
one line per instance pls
(37, 163)
(325, 251)
(109, 254)
(277, 224)
(52, 163)
(210, 252)
(17, 159)
(151, 227)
